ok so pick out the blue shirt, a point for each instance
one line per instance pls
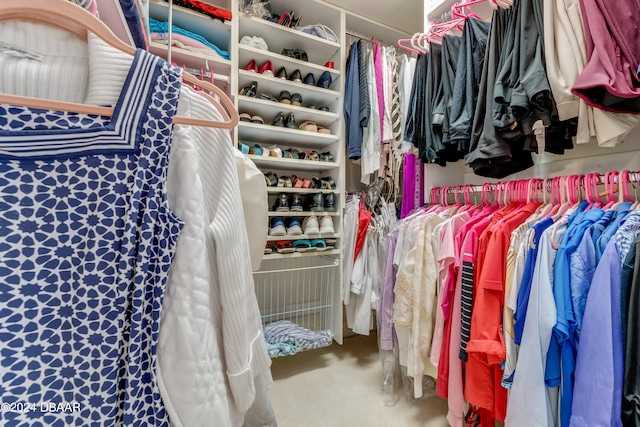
(527, 279)
(352, 106)
(597, 228)
(598, 402)
(610, 230)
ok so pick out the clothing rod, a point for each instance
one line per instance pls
(170, 24)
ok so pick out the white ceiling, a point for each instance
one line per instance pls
(405, 15)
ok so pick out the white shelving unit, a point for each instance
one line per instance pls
(300, 285)
(213, 30)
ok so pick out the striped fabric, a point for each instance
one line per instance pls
(285, 331)
(467, 300)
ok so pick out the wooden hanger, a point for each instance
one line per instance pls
(67, 16)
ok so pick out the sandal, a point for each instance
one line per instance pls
(313, 156)
(327, 157)
(297, 181)
(306, 183)
(303, 245)
(271, 179)
(319, 244)
(284, 247)
(308, 126)
(245, 117)
(323, 130)
(267, 249)
(275, 152)
(290, 154)
(257, 119)
(287, 182)
(256, 150)
(244, 148)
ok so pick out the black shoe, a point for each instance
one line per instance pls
(296, 99)
(330, 202)
(296, 76)
(282, 74)
(291, 122)
(278, 120)
(310, 80)
(250, 89)
(282, 203)
(296, 205)
(317, 203)
(268, 97)
(323, 108)
(285, 97)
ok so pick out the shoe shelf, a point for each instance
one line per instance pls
(254, 132)
(197, 60)
(269, 109)
(247, 53)
(214, 30)
(273, 85)
(304, 236)
(302, 214)
(302, 254)
(301, 165)
(300, 190)
(279, 37)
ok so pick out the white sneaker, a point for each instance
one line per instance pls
(310, 225)
(277, 227)
(326, 225)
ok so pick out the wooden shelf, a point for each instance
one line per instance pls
(304, 236)
(290, 164)
(264, 108)
(303, 214)
(191, 59)
(214, 30)
(253, 132)
(279, 37)
(273, 86)
(302, 254)
(300, 190)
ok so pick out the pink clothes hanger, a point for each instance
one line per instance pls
(410, 49)
(611, 189)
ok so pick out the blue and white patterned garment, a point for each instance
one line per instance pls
(86, 242)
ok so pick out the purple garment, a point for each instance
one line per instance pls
(377, 64)
(412, 188)
(597, 393)
(386, 332)
(610, 81)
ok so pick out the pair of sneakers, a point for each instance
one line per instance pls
(278, 228)
(311, 225)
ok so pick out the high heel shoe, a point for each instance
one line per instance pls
(267, 69)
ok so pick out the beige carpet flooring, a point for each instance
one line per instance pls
(341, 386)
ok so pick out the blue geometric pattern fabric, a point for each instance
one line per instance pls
(86, 242)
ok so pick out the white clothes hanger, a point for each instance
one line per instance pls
(74, 19)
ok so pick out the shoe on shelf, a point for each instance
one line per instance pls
(310, 80)
(296, 99)
(277, 227)
(245, 117)
(282, 203)
(296, 76)
(326, 224)
(296, 203)
(329, 64)
(308, 126)
(324, 108)
(282, 74)
(324, 130)
(271, 179)
(317, 203)
(251, 66)
(257, 119)
(325, 80)
(250, 89)
(310, 225)
(267, 248)
(290, 122)
(330, 203)
(294, 228)
(278, 120)
(285, 97)
(267, 69)
(268, 97)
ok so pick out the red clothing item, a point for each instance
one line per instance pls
(364, 219)
(486, 347)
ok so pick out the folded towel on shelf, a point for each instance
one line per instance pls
(282, 349)
(162, 27)
(285, 331)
